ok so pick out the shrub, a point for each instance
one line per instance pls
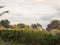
(29, 37)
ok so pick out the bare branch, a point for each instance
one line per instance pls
(4, 13)
(2, 6)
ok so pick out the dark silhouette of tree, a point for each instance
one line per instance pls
(5, 23)
(34, 26)
(55, 24)
(39, 25)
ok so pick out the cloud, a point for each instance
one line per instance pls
(31, 11)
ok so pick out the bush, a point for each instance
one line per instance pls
(29, 37)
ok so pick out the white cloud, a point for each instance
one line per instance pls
(31, 11)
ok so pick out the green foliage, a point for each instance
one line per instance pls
(29, 37)
(5, 23)
(21, 25)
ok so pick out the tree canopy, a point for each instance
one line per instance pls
(5, 23)
(36, 25)
(21, 25)
(55, 24)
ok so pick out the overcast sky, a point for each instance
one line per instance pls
(31, 11)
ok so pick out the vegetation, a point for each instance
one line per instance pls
(55, 24)
(5, 23)
(30, 37)
(36, 25)
(22, 34)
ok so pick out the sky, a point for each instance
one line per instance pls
(31, 11)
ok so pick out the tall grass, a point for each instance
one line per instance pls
(29, 37)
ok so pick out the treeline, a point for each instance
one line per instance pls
(5, 24)
(29, 37)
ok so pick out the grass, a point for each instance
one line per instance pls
(28, 37)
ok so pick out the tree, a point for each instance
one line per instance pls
(5, 23)
(21, 25)
(55, 24)
(34, 26)
(38, 25)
